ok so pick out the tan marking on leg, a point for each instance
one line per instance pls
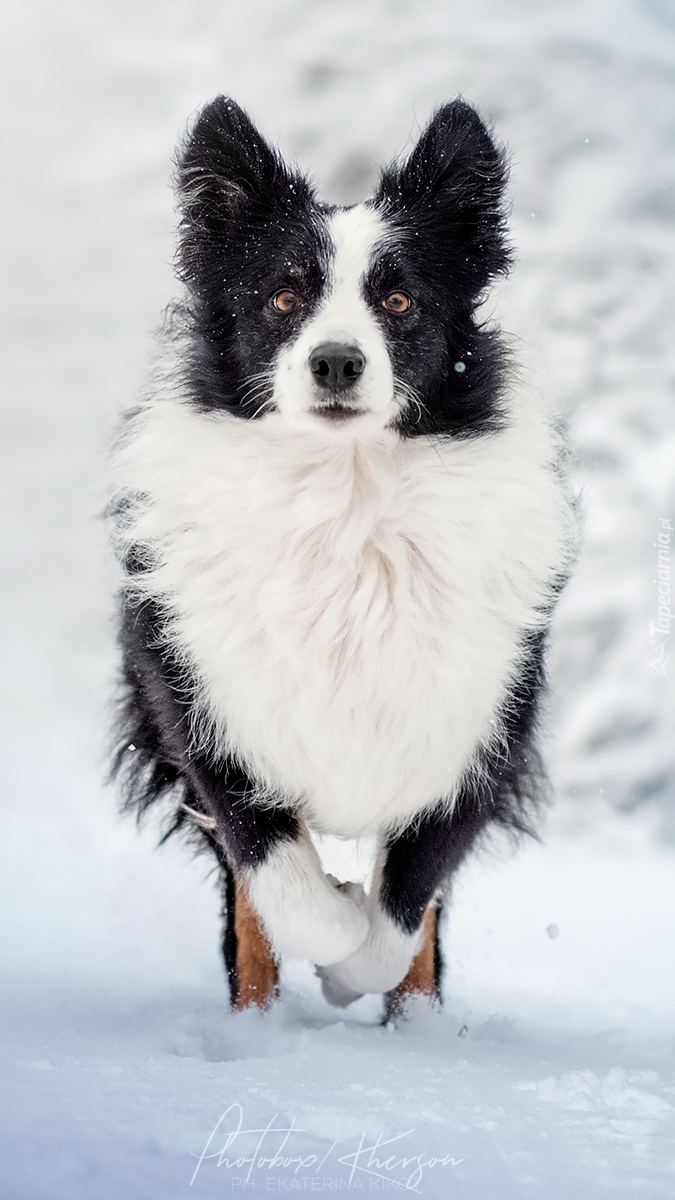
(257, 968)
(421, 976)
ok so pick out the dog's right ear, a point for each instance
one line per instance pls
(226, 169)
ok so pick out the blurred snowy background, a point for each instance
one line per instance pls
(98, 924)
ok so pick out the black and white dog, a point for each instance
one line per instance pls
(343, 530)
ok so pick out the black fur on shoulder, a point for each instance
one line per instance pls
(156, 757)
(146, 762)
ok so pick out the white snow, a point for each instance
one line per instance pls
(550, 1072)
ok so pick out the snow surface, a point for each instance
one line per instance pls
(550, 1072)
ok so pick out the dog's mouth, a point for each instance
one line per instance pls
(337, 411)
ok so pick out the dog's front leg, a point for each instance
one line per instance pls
(304, 913)
(265, 846)
(412, 872)
(269, 849)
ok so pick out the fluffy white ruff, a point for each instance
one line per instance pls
(379, 963)
(305, 916)
(351, 608)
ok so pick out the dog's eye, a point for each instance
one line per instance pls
(397, 302)
(285, 301)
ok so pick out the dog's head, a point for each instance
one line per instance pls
(350, 319)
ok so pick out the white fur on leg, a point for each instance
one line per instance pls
(378, 965)
(304, 914)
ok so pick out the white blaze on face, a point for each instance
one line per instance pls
(345, 318)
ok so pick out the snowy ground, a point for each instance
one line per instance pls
(551, 1072)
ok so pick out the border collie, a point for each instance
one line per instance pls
(343, 531)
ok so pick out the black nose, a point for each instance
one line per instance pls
(336, 366)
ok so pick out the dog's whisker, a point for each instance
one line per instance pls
(409, 393)
(256, 385)
(264, 404)
(254, 393)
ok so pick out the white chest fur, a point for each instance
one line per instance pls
(352, 612)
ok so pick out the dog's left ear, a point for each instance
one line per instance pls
(452, 186)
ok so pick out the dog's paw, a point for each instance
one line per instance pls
(377, 965)
(329, 928)
(304, 913)
(335, 992)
